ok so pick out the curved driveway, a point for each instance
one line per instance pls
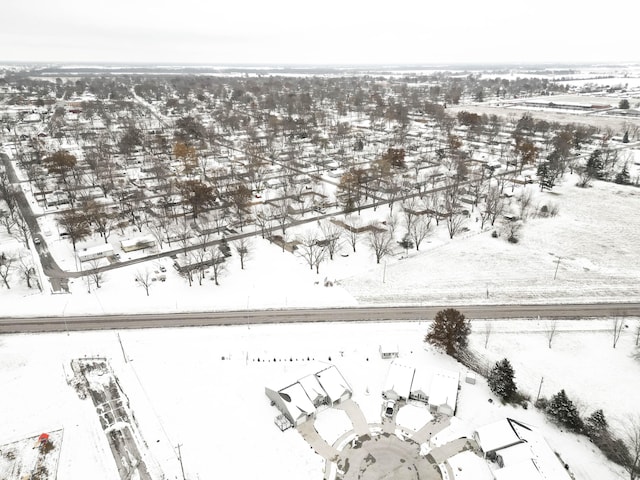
(354, 314)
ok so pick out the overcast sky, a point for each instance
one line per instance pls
(327, 32)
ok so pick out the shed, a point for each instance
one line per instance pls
(388, 351)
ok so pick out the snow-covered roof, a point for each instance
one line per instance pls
(469, 466)
(444, 388)
(104, 248)
(399, 379)
(544, 457)
(497, 435)
(313, 388)
(421, 382)
(333, 383)
(525, 470)
(296, 401)
(515, 454)
(132, 242)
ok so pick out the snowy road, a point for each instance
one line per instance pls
(355, 314)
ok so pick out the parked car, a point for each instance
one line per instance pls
(389, 408)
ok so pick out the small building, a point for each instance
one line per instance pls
(95, 253)
(138, 243)
(388, 351)
(397, 385)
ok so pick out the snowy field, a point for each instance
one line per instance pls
(203, 388)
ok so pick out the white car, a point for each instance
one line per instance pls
(389, 408)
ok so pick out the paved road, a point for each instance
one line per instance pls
(355, 314)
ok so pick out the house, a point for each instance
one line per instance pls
(94, 253)
(139, 243)
(337, 388)
(397, 385)
(496, 436)
(388, 351)
(519, 451)
(293, 402)
(300, 399)
(443, 392)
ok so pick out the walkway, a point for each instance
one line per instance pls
(319, 445)
(439, 423)
(352, 409)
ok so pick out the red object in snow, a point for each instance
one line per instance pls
(43, 437)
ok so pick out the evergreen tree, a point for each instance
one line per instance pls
(594, 164)
(596, 426)
(562, 410)
(449, 331)
(623, 177)
(625, 138)
(501, 380)
(545, 176)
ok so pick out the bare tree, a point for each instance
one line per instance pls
(332, 237)
(243, 249)
(524, 200)
(311, 250)
(95, 273)
(420, 228)
(217, 264)
(551, 331)
(144, 280)
(22, 232)
(494, 206)
(617, 324)
(638, 333)
(28, 270)
(8, 221)
(632, 463)
(6, 267)
(380, 242)
(352, 232)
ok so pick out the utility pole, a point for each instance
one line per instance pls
(539, 389)
(123, 354)
(180, 459)
(557, 266)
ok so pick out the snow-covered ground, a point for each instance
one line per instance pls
(592, 242)
(203, 388)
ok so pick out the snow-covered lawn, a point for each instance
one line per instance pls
(182, 391)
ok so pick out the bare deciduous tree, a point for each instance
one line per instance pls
(243, 249)
(332, 237)
(380, 242)
(311, 250)
(525, 200)
(95, 273)
(6, 267)
(420, 228)
(144, 279)
(217, 264)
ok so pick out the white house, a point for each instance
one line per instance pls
(520, 451)
(332, 382)
(94, 253)
(443, 393)
(397, 385)
(300, 399)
